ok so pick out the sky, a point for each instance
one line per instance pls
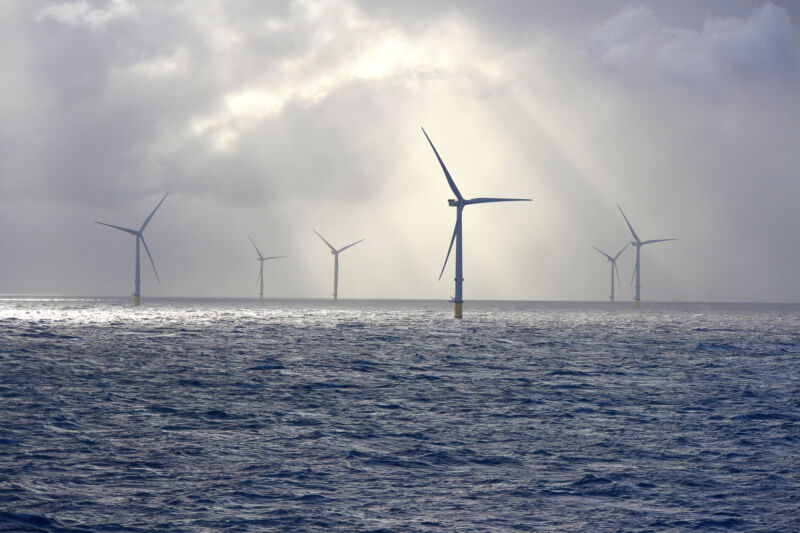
(272, 119)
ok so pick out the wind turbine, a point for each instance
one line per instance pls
(261, 259)
(459, 203)
(613, 261)
(638, 244)
(336, 253)
(139, 234)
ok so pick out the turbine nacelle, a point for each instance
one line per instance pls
(452, 202)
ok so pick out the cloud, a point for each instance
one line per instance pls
(273, 118)
(82, 14)
(335, 57)
(201, 79)
(761, 46)
(158, 66)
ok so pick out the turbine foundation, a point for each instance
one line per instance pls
(457, 313)
(136, 299)
(637, 304)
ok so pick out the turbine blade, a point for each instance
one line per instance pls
(146, 249)
(256, 247)
(326, 242)
(629, 224)
(127, 230)
(450, 249)
(602, 252)
(651, 241)
(634, 274)
(147, 220)
(488, 200)
(273, 257)
(446, 173)
(349, 245)
(623, 249)
(258, 278)
(616, 268)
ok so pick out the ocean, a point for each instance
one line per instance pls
(304, 415)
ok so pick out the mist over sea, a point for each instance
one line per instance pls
(310, 415)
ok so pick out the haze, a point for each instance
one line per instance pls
(273, 118)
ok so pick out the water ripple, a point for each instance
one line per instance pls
(390, 416)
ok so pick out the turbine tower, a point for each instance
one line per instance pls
(336, 253)
(139, 234)
(459, 203)
(613, 261)
(261, 260)
(638, 243)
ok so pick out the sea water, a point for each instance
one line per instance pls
(210, 415)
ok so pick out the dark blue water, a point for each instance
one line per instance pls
(392, 416)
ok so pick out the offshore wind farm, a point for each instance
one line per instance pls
(541, 396)
(456, 240)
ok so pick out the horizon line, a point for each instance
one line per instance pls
(32, 296)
